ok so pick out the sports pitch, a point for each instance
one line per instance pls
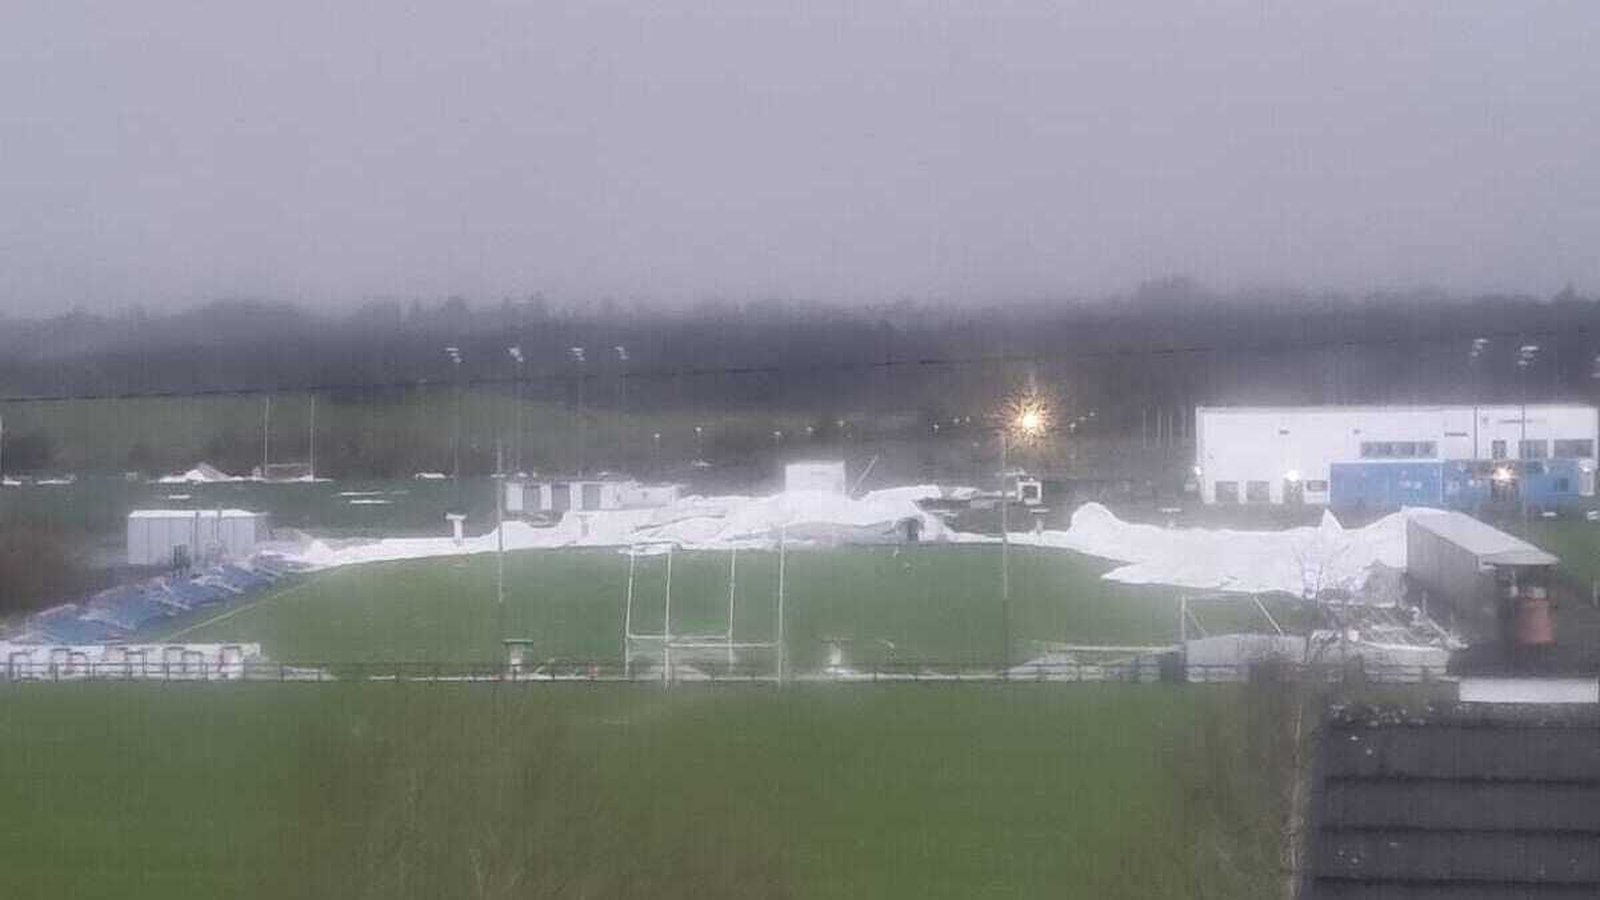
(936, 604)
(436, 790)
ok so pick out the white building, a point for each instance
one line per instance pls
(167, 537)
(827, 477)
(1270, 454)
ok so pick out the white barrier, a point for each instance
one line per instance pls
(131, 662)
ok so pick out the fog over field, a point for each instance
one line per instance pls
(173, 153)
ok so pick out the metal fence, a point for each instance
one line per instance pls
(1143, 670)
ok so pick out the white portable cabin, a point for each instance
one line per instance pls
(825, 476)
(161, 537)
(1273, 454)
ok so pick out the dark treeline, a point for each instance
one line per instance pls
(1163, 348)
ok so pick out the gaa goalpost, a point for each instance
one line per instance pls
(674, 649)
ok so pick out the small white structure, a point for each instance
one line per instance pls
(1030, 491)
(1529, 690)
(177, 537)
(587, 495)
(1275, 454)
(827, 477)
(457, 522)
(120, 662)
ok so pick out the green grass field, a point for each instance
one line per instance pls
(934, 603)
(429, 791)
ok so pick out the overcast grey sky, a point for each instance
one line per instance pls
(169, 152)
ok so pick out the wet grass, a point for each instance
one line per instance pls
(931, 603)
(266, 790)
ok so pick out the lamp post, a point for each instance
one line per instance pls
(516, 440)
(577, 354)
(1026, 420)
(1478, 346)
(622, 379)
(454, 354)
(1525, 357)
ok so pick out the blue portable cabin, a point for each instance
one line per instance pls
(1386, 484)
(1551, 483)
(1466, 485)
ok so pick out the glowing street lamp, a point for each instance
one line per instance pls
(1025, 419)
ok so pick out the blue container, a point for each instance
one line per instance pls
(1386, 484)
(1551, 483)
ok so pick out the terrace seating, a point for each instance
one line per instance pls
(240, 579)
(116, 613)
(81, 631)
(191, 594)
(126, 608)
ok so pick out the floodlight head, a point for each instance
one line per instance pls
(1026, 416)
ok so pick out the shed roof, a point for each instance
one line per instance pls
(191, 513)
(1487, 543)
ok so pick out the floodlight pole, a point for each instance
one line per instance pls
(266, 434)
(627, 618)
(783, 552)
(500, 538)
(733, 581)
(311, 431)
(1005, 555)
(666, 627)
(455, 435)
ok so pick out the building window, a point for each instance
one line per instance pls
(1574, 449)
(1399, 449)
(1497, 449)
(1257, 492)
(1316, 486)
(1533, 448)
(1227, 492)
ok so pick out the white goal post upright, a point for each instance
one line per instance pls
(627, 618)
(733, 585)
(666, 626)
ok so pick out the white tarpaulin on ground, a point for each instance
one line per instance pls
(204, 473)
(692, 523)
(1296, 561)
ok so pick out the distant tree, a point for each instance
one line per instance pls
(30, 451)
(38, 567)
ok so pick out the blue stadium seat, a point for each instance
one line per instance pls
(82, 631)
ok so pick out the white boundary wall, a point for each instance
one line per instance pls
(56, 662)
(1272, 444)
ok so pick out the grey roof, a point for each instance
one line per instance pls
(1487, 543)
(1457, 805)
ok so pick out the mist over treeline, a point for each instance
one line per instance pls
(1168, 345)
